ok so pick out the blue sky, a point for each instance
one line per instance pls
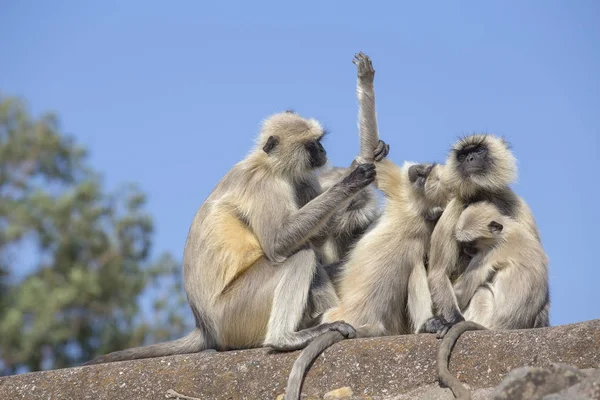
(172, 96)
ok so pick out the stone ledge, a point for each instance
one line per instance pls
(378, 368)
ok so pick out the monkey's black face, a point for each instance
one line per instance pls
(473, 159)
(417, 174)
(317, 155)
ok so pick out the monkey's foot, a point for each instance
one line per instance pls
(381, 151)
(437, 325)
(171, 394)
(299, 340)
(366, 72)
(342, 327)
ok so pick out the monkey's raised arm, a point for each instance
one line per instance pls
(284, 236)
(367, 116)
(443, 259)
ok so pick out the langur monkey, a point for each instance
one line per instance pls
(479, 168)
(248, 263)
(383, 283)
(505, 285)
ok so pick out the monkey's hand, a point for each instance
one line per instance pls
(366, 73)
(433, 214)
(362, 176)
(437, 325)
(381, 151)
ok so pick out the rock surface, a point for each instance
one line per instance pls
(395, 367)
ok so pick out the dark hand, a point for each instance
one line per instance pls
(366, 73)
(437, 325)
(433, 214)
(362, 176)
(381, 151)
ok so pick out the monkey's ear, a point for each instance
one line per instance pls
(272, 142)
(495, 227)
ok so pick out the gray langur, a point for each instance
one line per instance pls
(248, 264)
(479, 168)
(383, 286)
(505, 285)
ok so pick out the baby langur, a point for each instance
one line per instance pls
(479, 168)
(505, 285)
(248, 265)
(384, 275)
(346, 226)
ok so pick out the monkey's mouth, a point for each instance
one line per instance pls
(469, 170)
(318, 162)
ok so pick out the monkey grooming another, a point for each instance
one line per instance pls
(248, 264)
(505, 285)
(383, 286)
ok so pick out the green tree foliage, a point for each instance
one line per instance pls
(74, 260)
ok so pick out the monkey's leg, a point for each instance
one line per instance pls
(289, 303)
(443, 260)
(481, 308)
(322, 297)
(419, 301)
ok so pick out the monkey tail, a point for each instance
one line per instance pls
(191, 343)
(460, 391)
(305, 360)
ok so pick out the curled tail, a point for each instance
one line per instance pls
(305, 360)
(444, 375)
(191, 343)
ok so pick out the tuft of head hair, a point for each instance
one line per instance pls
(281, 142)
(434, 193)
(501, 167)
(437, 192)
(481, 220)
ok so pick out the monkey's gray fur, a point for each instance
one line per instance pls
(248, 263)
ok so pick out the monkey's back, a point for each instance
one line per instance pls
(220, 245)
(374, 285)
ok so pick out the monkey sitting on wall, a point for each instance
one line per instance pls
(248, 265)
(382, 285)
(479, 168)
(505, 285)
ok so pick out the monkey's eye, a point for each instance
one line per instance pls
(481, 151)
(461, 157)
